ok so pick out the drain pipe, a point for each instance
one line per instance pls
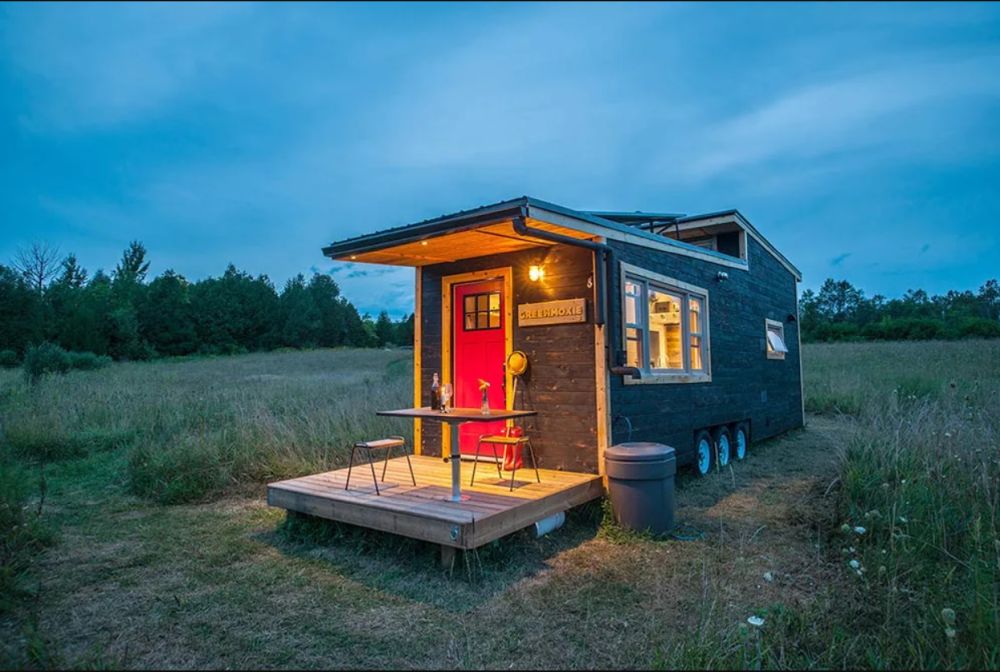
(605, 262)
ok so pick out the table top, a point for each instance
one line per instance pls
(457, 414)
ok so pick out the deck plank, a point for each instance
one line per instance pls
(423, 511)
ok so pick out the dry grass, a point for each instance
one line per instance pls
(196, 428)
(228, 582)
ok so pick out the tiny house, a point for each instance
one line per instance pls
(637, 326)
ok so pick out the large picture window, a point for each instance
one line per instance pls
(665, 326)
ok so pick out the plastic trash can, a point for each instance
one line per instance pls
(641, 485)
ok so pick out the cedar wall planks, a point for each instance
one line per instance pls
(741, 373)
(560, 383)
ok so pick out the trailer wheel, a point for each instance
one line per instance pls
(723, 446)
(703, 451)
(741, 440)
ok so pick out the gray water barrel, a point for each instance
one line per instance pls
(641, 485)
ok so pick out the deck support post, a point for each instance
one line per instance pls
(448, 554)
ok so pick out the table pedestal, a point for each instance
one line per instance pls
(456, 463)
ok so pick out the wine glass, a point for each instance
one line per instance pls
(445, 396)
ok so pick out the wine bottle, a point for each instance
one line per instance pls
(435, 393)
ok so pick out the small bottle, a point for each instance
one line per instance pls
(435, 393)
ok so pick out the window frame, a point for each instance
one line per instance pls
(645, 279)
(779, 327)
(476, 311)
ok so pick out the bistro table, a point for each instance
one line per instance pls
(453, 418)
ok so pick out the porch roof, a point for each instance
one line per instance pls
(488, 229)
(484, 230)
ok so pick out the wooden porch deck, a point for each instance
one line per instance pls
(422, 512)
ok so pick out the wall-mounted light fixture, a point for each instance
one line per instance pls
(535, 273)
(791, 317)
(721, 276)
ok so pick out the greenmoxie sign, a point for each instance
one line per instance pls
(566, 311)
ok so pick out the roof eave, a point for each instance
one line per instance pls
(414, 232)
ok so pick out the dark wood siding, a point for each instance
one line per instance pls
(745, 383)
(560, 383)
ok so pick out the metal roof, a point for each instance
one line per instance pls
(467, 219)
(635, 216)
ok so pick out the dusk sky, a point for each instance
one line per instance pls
(863, 140)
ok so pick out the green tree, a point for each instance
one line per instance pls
(384, 330)
(302, 323)
(989, 300)
(165, 315)
(404, 331)
(236, 312)
(20, 312)
(332, 314)
(129, 275)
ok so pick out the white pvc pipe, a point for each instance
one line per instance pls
(546, 525)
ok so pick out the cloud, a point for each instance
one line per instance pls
(259, 134)
(854, 113)
(839, 259)
(98, 65)
(925, 247)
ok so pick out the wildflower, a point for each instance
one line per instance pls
(855, 564)
(947, 435)
(950, 633)
(860, 530)
(756, 621)
(845, 528)
(852, 549)
(769, 577)
(903, 520)
(881, 569)
(903, 481)
(885, 485)
(948, 615)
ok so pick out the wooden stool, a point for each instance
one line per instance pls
(379, 444)
(495, 439)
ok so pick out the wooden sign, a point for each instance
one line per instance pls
(566, 311)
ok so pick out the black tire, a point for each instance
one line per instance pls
(723, 442)
(741, 448)
(704, 453)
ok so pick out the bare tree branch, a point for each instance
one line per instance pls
(38, 264)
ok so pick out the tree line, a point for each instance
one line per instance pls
(45, 297)
(839, 311)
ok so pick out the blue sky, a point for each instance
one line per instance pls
(862, 139)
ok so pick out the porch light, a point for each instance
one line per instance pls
(536, 273)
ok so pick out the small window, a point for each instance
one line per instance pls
(481, 311)
(775, 335)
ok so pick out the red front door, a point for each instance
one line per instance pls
(480, 352)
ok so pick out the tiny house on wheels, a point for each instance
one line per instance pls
(593, 329)
(637, 326)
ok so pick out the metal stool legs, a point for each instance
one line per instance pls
(385, 464)
(406, 454)
(475, 462)
(350, 466)
(534, 463)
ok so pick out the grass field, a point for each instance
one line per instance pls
(135, 533)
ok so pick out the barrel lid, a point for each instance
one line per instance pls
(638, 451)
